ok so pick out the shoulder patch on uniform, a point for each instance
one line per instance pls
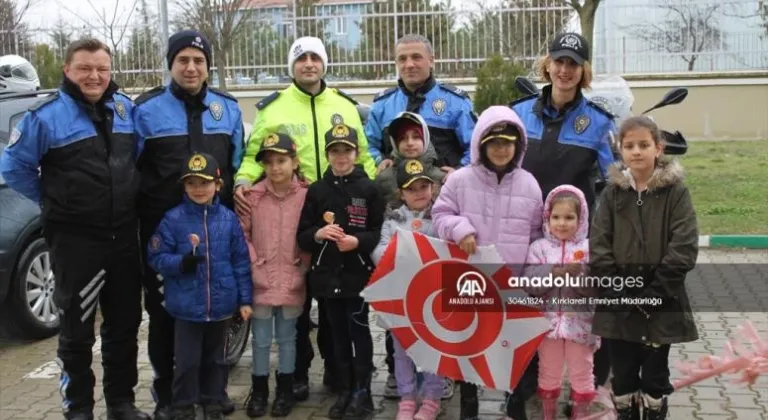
(602, 109)
(268, 100)
(454, 90)
(144, 97)
(124, 95)
(44, 101)
(523, 99)
(384, 93)
(222, 93)
(346, 96)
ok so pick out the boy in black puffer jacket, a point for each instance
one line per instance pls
(340, 225)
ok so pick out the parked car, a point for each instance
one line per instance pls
(27, 282)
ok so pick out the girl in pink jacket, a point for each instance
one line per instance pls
(493, 201)
(277, 269)
(564, 252)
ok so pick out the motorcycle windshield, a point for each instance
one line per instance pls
(612, 92)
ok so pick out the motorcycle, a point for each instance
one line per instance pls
(613, 94)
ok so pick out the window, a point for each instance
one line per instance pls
(341, 25)
(285, 29)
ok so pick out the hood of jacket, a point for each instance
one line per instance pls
(491, 117)
(428, 147)
(668, 172)
(583, 228)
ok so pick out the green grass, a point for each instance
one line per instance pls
(728, 181)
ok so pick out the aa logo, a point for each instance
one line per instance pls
(471, 284)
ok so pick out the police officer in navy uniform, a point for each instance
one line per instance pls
(447, 109)
(568, 136)
(171, 122)
(450, 119)
(81, 139)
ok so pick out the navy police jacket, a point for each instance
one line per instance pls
(563, 147)
(446, 109)
(86, 178)
(222, 282)
(171, 124)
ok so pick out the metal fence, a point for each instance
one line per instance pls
(360, 38)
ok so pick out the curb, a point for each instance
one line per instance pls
(734, 241)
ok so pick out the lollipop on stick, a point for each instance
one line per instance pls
(195, 241)
(329, 217)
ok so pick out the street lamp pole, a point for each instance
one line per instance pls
(295, 17)
(163, 8)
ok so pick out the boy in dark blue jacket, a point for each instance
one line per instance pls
(199, 248)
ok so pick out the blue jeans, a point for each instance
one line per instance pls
(285, 335)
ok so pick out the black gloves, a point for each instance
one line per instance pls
(189, 263)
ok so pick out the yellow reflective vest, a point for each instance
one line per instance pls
(306, 119)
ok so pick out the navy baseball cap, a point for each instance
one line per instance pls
(572, 45)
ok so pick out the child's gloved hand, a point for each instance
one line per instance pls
(468, 244)
(246, 312)
(189, 263)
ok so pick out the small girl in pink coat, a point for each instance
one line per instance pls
(277, 269)
(564, 250)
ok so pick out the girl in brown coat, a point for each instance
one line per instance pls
(643, 242)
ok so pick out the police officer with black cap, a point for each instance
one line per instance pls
(172, 121)
(568, 136)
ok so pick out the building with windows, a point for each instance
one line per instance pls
(341, 18)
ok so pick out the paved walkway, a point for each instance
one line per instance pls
(29, 377)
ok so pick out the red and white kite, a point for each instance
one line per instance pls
(450, 324)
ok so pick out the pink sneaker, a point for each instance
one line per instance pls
(428, 411)
(405, 409)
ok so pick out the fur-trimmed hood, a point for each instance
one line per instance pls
(668, 172)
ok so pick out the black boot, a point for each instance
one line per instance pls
(344, 393)
(283, 404)
(126, 411)
(469, 406)
(655, 409)
(627, 407)
(162, 412)
(361, 405)
(256, 403)
(227, 406)
(301, 387)
(516, 407)
(184, 413)
(79, 415)
(213, 412)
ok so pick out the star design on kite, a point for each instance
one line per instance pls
(409, 291)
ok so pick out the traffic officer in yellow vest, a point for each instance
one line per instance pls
(305, 110)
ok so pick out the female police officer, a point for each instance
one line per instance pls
(567, 136)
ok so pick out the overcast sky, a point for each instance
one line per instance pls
(45, 13)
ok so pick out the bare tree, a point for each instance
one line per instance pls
(13, 34)
(112, 27)
(220, 21)
(762, 11)
(689, 29)
(586, 10)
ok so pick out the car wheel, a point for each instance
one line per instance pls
(30, 311)
(237, 338)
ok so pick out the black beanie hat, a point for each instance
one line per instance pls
(188, 38)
